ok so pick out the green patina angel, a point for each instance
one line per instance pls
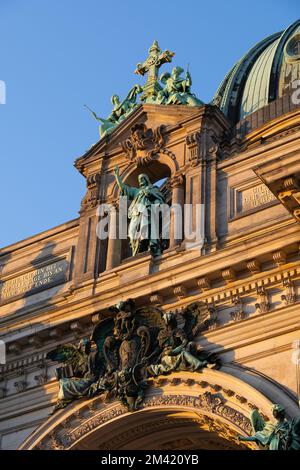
(128, 348)
(279, 434)
(177, 90)
(82, 366)
(121, 109)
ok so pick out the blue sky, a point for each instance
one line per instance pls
(57, 55)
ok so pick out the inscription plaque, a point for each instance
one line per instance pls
(254, 197)
(37, 279)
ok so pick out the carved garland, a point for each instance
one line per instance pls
(64, 438)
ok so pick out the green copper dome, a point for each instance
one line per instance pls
(264, 74)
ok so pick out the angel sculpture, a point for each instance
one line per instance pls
(177, 350)
(127, 348)
(83, 365)
(120, 111)
(280, 434)
(177, 90)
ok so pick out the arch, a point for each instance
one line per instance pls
(160, 167)
(212, 402)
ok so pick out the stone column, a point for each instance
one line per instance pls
(195, 178)
(86, 253)
(211, 187)
(113, 256)
(177, 211)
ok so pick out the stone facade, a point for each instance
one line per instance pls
(56, 285)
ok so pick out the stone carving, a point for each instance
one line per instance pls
(146, 199)
(91, 198)
(254, 197)
(145, 144)
(238, 313)
(21, 385)
(229, 275)
(156, 299)
(254, 266)
(124, 351)
(41, 379)
(202, 147)
(56, 443)
(35, 280)
(193, 144)
(279, 257)
(280, 434)
(289, 296)
(262, 306)
(203, 283)
(206, 402)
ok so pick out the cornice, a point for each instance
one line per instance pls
(95, 295)
(262, 153)
(28, 242)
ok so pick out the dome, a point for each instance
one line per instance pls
(264, 74)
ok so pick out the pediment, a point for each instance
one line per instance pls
(152, 116)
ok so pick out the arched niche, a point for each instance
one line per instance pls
(161, 168)
(206, 409)
(156, 170)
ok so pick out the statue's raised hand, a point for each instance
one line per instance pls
(117, 170)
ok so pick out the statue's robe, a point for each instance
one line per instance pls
(139, 213)
(175, 354)
(269, 434)
(75, 387)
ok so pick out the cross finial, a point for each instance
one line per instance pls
(152, 65)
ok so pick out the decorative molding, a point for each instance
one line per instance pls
(180, 291)
(156, 299)
(177, 181)
(284, 279)
(228, 275)
(238, 313)
(289, 296)
(76, 327)
(14, 348)
(66, 437)
(193, 144)
(91, 198)
(203, 283)
(262, 306)
(253, 266)
(41, 379)
(145, 144)
(21, 385)
(55, 333)
(279, 257)
(34, 341)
